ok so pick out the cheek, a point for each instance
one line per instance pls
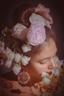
(47, 67)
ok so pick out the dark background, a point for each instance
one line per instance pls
(6, 5)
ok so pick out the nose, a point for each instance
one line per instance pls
(51, 65)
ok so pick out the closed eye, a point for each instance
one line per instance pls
(45, 60)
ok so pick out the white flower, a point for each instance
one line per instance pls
(44, 74)
(46, 80)
(26, 48)
(35, 18)
(16, 69)
(8, 63)
(17, 57)
(10, 56)
(9, 53)
(25, 60)
(18, 28)
(56, 71)
(57, 61)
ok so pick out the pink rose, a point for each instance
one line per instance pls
(36, 34)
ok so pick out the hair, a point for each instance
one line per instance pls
(25, 16)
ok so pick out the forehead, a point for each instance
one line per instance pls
(49, 49)
(46, 50)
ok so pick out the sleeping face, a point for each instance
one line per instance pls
(47, 64)
(43, 59)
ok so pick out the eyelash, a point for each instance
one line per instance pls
(44, 61)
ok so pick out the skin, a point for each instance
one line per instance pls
(42, 59)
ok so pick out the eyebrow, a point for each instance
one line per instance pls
(45, 58)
